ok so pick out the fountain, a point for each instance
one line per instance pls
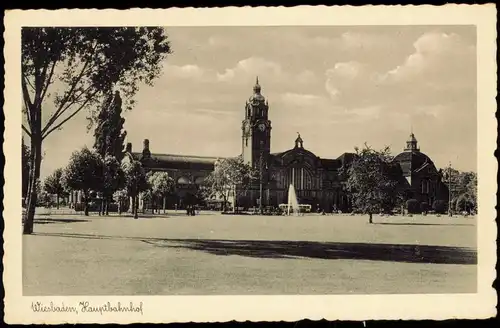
(292, 201)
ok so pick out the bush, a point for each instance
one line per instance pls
(463, 203)
(413, 206)
(439, 206)
(424, 207)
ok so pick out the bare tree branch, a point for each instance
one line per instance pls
(26, 93)
(62, 107)
(27, 101)
(68, 105)
(26, 130)
(47, 84)
(42, 77)
(45, 134)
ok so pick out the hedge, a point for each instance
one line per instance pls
(424, 207)
(439, 206)
(413, 206)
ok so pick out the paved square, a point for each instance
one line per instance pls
(216, 254)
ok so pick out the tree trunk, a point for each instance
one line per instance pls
(371, 217)
(119, 207)
(136, 207)
(164, 203)
(86, 202)
(57, 201)
(107, 205)
(36, 160)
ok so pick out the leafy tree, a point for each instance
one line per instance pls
(84, 172)
(44, 198)
(230, 176)
(161, 186)
(120, 196)
(109, 135)
(464, 203)
(113, 179)
(371, 181)
(84, 64)
(463, 185)
(54, 185)
(135, 182)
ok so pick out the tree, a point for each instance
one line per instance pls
(44, 198)
(84, 172)
(54, 185)
(135, 182)
(230, 176)
(161, 186)
(120, 196)
(371, 181)
(113, 179)
(25, 162)
(109, 135)
(84, 64)
(463, 186)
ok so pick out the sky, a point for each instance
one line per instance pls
(339, 86)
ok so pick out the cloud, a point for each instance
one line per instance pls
(443, 60)
(351, 84)
(437, 77)
(295, 99)
(250, 67)
(189, 72)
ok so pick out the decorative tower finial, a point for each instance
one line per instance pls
(256, 88)
(299, 143)
(412, 143)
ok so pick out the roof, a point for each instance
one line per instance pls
(178, 161)
(346, 158)
(330, 163)
(411, 161)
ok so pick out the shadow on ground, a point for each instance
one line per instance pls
(424, 224)
(49, 220)
(281, 249)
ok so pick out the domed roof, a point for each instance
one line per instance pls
(412, 160)
(257, 96)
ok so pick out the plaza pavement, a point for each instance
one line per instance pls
(210, 253)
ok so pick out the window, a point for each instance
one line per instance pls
(183, 180)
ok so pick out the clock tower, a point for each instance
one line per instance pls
(256, 129)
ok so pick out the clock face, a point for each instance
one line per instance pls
(262, 127)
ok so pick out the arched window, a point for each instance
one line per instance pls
(183, 180)
(199, 180)
(300, 177)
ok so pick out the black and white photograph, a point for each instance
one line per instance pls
(247, 160)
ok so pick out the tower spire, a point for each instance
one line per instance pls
(256, 88)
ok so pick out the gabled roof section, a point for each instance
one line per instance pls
(346, 158)
(174, 161)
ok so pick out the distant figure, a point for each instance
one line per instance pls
(175, 208)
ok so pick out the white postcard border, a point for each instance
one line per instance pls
(260, 308)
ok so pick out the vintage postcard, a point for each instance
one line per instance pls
(262, 164)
